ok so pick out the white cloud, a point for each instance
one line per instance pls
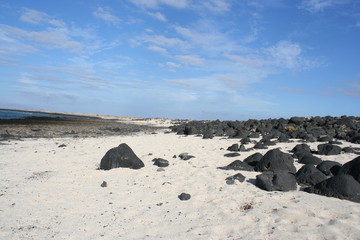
(218, 6)
(156, 3)
(158, 49)
(194, 60)
(285, 54)
(106, 15)
(314, 6)
(36, 17)
(157, 15)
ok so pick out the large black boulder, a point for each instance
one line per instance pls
(328, 149)
(275, 160)
(352, 168)
(238, 165)
(121, 156)
(309, 175)
(329, 168)
(309, 159)
(341, 186)
(276, 181)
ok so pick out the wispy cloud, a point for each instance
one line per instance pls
(157, 3)
(293, 90)
(157, 15)
(219, 6)
(36, 17)
(106, 15)
(314, 6)
(352, 89)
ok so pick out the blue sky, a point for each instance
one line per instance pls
(214, 59)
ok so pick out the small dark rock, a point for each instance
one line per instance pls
(185, 156)
(232, 154)
(104, 184)
(238, 165)
(160, 162)
(184, 196)
(260, 145)
(239, 177)
(62, 145)
(233, 148)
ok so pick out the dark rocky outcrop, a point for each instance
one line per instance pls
(341, 186)
(121, 157)
(276, 181)
(275, 160)
(231, 154)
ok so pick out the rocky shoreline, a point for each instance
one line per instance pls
(45, 127)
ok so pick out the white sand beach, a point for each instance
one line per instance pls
(51, 192)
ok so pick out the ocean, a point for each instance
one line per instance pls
(17, 114)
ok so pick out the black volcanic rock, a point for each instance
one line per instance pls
(341, 186)
(185, 156)
(329, 168)
(253, 159)
(160, 162)
(121, 156)
(233, 148)
(184, 196)
(309, 175)
(260, 145)
(231, 180)
(238, 165)
(352, 168)
(232, 154)
(309, 159)
(275, 160)
(328, 149)
(276, 181)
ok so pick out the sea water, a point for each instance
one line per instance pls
(17, 114)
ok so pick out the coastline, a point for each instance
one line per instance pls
(51, 185)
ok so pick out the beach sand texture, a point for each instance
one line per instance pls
(52, 192)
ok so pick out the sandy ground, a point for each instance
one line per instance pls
(47, 191)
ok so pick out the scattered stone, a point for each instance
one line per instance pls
(276, 181)
(160, 162)
(309, 175)
(62, 145)
(231, 154)
(341, 186)
(275, 160)
(238, 165)
(242, 148)
(184, 196)
(328, 149)
(104, 184)
(185, 156)
(208, 135)
(260, 145)
(231, 180)
(160, 170)
(233, 148)
(121, 156)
